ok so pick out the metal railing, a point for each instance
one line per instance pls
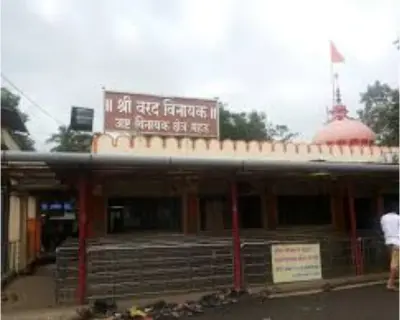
(66, 274)
(118, 270)
(375, 255)
(337, 258)
(123, 271)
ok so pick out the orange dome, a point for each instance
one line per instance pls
(344, 130)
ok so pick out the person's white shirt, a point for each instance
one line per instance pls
(390, 223)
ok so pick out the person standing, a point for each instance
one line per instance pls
(390, 223)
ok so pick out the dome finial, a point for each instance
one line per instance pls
(339, 111)
(338, 94)
(341, 129)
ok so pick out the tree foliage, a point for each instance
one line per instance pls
(251, 126)
(11, 101)
(381, 112)
(66, 140)
(233, 125)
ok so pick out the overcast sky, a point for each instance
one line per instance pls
(268, 55)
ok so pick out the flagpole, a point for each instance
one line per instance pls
(327, 113)
(333, 84)
(336, 57)
(332, 76)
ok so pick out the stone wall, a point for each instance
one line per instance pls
(157, 146)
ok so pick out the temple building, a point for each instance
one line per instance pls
(191, 202)
(140, 185)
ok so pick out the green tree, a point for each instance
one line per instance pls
(66, 140)
(381, 112)
(251, 126)
(233, 125)
(11, 101)
(280, 132)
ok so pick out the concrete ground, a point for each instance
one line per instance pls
(372, 302)
(30, 292)
(353, 303)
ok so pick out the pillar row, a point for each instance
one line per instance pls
(33, 228)
(17, 232)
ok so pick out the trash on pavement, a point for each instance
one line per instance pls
(161, 310)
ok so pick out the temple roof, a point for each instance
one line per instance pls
(343, 130)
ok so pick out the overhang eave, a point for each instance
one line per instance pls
(99, 162)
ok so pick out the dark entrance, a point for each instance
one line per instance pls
(304, 210)
(58, 212)
(144, 214)
(390, 201)
(366, 215)
(249, 207)
(214, 212)
(365, 211)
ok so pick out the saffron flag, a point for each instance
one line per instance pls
(336, 56)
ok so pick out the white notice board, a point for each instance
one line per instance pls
(295, 262)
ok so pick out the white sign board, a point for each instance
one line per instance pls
(296, 262)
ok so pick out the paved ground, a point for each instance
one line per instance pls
(372, 302)
(356, 304)
(30, 292)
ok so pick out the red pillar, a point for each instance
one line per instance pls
(83, 188)
(237, 263)
(355, 245)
